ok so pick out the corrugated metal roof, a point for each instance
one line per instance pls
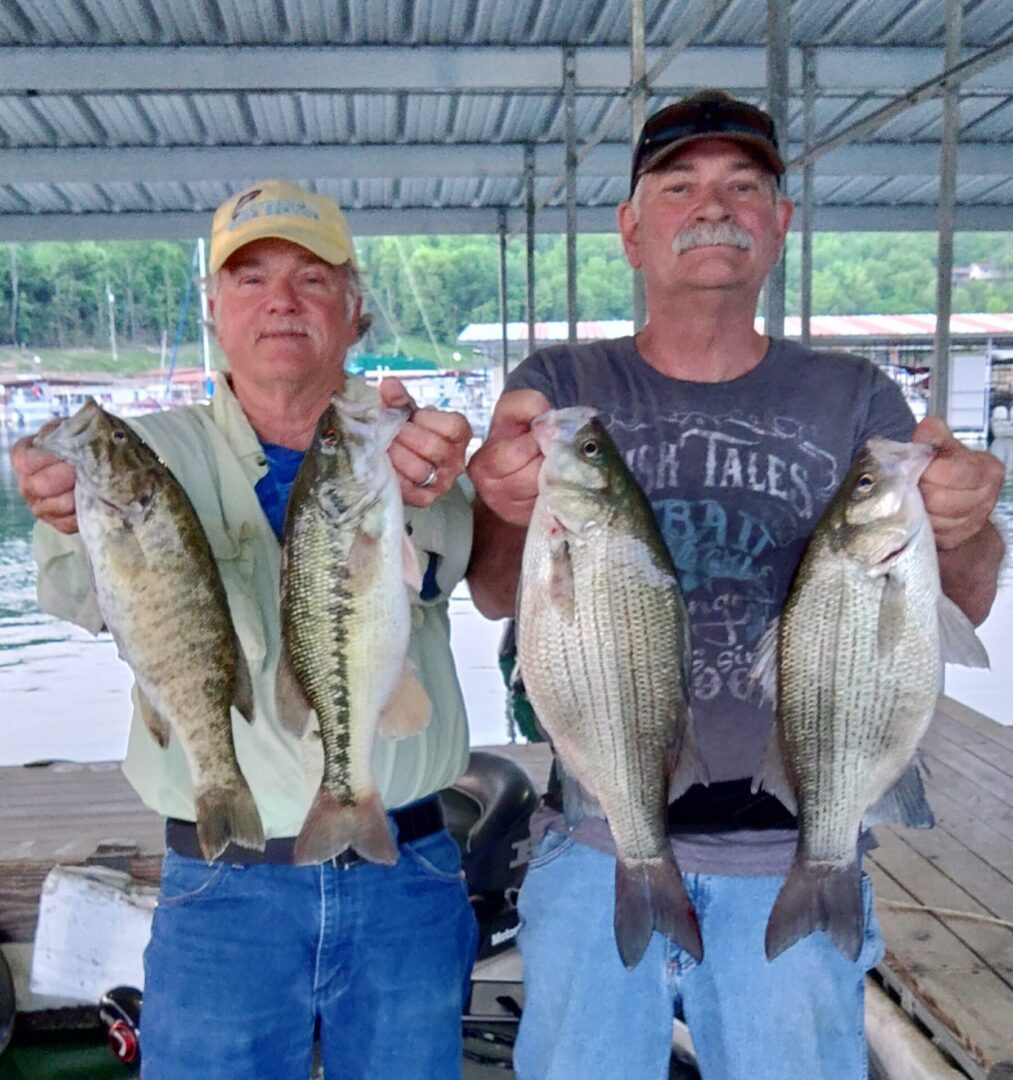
(880, 327)
(426, 76)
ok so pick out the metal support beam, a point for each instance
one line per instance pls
(529, 220)
(808, 179)
(953, 77)
(503, 313)
(939, 398)
(777, 106)
(650, 77)
(638, 101)
(570, 124)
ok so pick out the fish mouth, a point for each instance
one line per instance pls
(562, 424)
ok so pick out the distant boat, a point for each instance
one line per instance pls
(1002, 423)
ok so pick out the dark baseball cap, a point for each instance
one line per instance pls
(709, 114)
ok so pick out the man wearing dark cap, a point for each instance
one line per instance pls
(739, 441)
(250, 953)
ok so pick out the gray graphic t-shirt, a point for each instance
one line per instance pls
(738, 474)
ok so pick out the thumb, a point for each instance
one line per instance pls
(934, 431)
(394, 395)
(515, 411)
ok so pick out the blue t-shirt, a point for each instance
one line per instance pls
(275, 486)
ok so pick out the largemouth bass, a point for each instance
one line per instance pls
(603, 648)
(163, 601)
(855, 665)
(346, 568)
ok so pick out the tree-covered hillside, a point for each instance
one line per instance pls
(56, 295)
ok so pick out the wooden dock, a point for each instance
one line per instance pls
(953, 974)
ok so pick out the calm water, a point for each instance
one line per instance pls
(64, 693)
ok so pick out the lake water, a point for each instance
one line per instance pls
(64, 693)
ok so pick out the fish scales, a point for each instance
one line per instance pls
(603, 649)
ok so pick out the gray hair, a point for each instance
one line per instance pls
(355, 291)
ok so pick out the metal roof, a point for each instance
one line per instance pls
(134, 118)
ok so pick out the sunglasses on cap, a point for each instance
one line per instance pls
(715, 115)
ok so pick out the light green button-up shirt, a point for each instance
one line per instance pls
(215, 455)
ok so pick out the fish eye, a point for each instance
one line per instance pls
(589, 447)
(865, 482)
(119, 435)
(329, 437)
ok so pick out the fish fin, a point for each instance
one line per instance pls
(651, 895)
(242, 697)
(363, 553)
(561, 578)
(773, 774)
(818, 897)
(154, 721)
(892, 614)
(410, 569)
(332, 827)
(291, 704)
(763, 673)
(578, 802)
(228, 815)
(408, 709)
(685, 765)
(904, 802)
(960, 644)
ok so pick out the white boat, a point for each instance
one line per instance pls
(1002, 423)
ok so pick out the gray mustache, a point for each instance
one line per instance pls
(706, 234)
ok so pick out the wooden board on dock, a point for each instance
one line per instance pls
(955, 975)
(70, 814)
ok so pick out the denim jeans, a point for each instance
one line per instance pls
(585, 1015)
(245, 962)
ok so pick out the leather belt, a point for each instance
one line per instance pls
(413, 822)
(727, 806)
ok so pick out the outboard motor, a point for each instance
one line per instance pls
(487, 812)
(120, 1010)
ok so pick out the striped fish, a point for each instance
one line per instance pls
(603, 648)
(346, 568)
(855, 664)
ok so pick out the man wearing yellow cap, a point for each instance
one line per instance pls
(251, 954)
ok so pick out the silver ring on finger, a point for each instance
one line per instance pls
(430, 479)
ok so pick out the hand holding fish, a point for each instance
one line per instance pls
(960, 487)
(46, 483)
(428, 453)
(505, 469)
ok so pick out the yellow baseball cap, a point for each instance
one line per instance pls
(287, 211)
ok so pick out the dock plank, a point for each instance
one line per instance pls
(944, 983)
(971, 718)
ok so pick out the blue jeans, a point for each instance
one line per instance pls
(585, 1015)
(245, 962)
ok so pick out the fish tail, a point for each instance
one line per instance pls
(651, 895)
(818, 896)
(332, 826)
(228, 815)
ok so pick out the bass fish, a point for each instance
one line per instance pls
(164, 603)
(347, 564)
(855, 665)
(603, 648)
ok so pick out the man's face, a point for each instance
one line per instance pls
(709, 218)
(281, 314)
